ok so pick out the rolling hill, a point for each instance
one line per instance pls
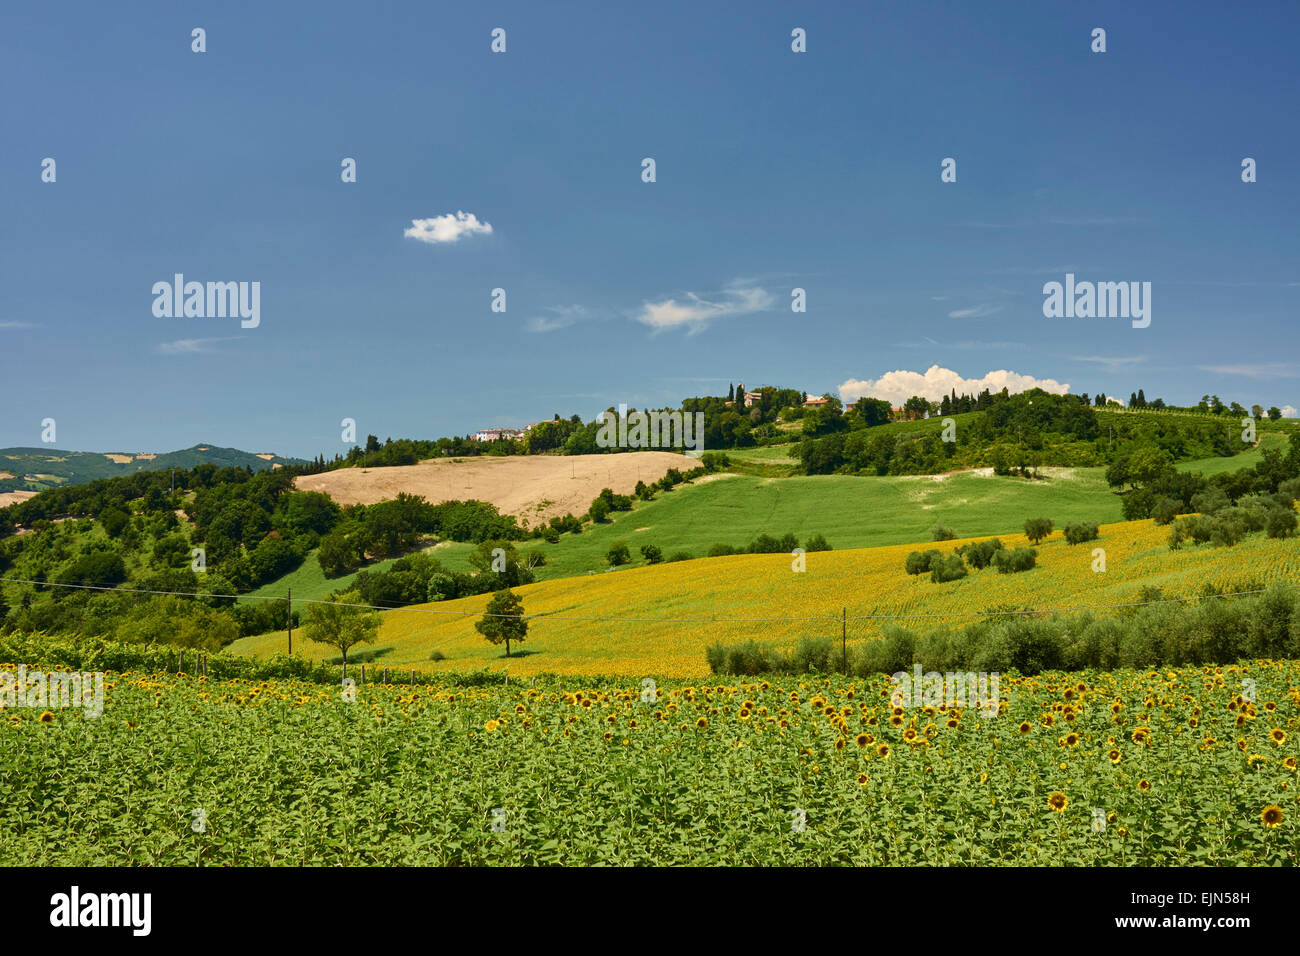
(658, 620)
(37, 469)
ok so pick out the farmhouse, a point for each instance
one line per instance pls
(811, 402)
(499, 434)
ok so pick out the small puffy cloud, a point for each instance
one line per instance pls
(1289, 411)
(695, 312)
(448, 228)
(898, 386)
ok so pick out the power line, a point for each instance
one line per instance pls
(661, 620)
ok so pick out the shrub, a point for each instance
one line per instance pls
(817, 543)
(1036, 529)
(652, 554)
(949, 568)
(720, 550)
(680, 556)
(1015, 560)
(919, 562)
(1165, 510)
(941, 532)
(1281, 523)
(618, 554)
(980, 554)
(1081, 532)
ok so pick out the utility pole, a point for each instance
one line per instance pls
(288, 614)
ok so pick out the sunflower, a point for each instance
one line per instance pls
(840, 743)
(1289, 763)
(909, 733)
(1057, 801)
(702, 722)
(951, 723)
(1071, 740)
(1115, 756)
(863, 739)
(1277, 735)
(883, 751)
(607, 736)
(1025, 727)
(862, 779)
(1144, 785)
(46, 718)
(1271, 816)
(896, 720)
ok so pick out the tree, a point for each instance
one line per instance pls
(503, 620)
(340, 625)
(652, 553)
(1036, 529)
(1147, 465)
(1274, 413)
(508, 567)
(618, 554)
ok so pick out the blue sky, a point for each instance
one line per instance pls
(774, 170)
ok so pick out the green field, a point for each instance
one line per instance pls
(1247, 459)
(852, 512)
(308, 581)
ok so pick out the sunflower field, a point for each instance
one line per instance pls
(1180, 767)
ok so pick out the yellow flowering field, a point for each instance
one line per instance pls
(568, 636)
(1192, 766)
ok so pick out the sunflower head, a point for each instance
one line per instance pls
(1057, 801)
(1272, 816)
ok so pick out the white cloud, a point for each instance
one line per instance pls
(565, 315)
(898, 386)
(17, 325)
(1257, 370)
(1289, 411)
(1112, 363)
(975, 312)
(189, 346)
(448, 228)
(695, 312)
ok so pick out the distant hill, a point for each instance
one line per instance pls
(39, 469)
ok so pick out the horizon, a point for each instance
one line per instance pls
(815, 178)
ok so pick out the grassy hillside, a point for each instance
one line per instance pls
(308, 582)
(1247, 459)
(852, 512)
(605, 624)
(36, 469)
